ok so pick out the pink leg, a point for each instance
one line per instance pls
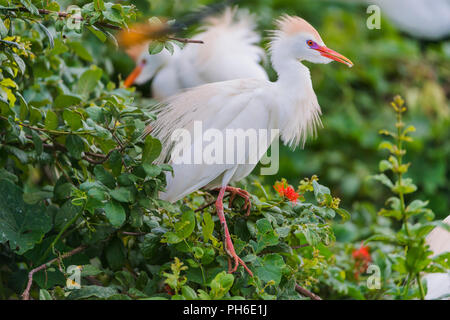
(243, 194)
(228, 244)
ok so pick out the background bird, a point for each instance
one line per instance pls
(423, 19)
(438, 283)
(289, 104)
(230, 51)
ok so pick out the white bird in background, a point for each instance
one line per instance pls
(230, 51)
(289, 104)
(425, 19)
(438, 283)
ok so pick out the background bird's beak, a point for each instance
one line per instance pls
(134, 74)
(331, 54)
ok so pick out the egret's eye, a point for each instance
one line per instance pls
(310, 43)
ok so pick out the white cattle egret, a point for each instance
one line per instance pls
(230, 51)
(423, 19)
(289, 104)
(438, 283)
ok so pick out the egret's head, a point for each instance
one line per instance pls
(147, 66)
(298, 39)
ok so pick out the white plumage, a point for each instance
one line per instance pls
(289, 104)
(230, 51)
(426, 19)
(438, 283)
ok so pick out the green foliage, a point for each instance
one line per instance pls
(75, 172)
(411, 237)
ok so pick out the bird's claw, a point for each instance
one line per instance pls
(237, 261)
(243, 194)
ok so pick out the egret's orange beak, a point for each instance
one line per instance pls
(331, 54)
(134, 74)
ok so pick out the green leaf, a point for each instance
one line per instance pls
(75, 146)
(386, 145)
(44, 295)
(72, 119)
(385, 165)
(391, 213)
(382, 238)
(271, 268)
(37, 196)
(172, 237)
(416, 205)
(38, 145)
(384, 180)
(266, 236)
(48, 34)
(115, 213)
(186, 225)
(30, 6)
(66, 213)
(207, 226)
(51, 120)
(97, 32)
(122, 195)
(169, 47)
(188, 293)
(321, 192)
(99, 5)
(92, 291)
(104, 176)
(21, 224)
(221, 284)
(88, 81)
(20, 63)
(112, 14)
(151, 170)
(66, 100)
(406, 187)
(152, 149)
(345, 215)
(81, 51)
(3, 29)
(155, 47)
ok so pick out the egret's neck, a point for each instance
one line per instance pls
(291, 72)
(299, 116)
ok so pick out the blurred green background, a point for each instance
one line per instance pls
(355, 102)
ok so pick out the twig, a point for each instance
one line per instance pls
(185, 40)
(26, 293)
(87, 155)
(134, 233)
(205, 206)
(300, 246)
(63, 14)
(20, 123)
(60, 14)
(306, 293)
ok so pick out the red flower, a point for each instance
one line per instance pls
(286, 191)
(362, 258)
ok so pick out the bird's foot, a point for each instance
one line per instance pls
(243, 194)
(227, 243)
(229, 248)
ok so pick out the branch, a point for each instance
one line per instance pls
(63, 14)
(60, 14)
(134, 233)
(300, 246)
(306, 293)
(185, 40)
(87, 156)
(26, 293)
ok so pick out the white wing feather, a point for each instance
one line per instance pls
(438, 283)
(221, 106)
